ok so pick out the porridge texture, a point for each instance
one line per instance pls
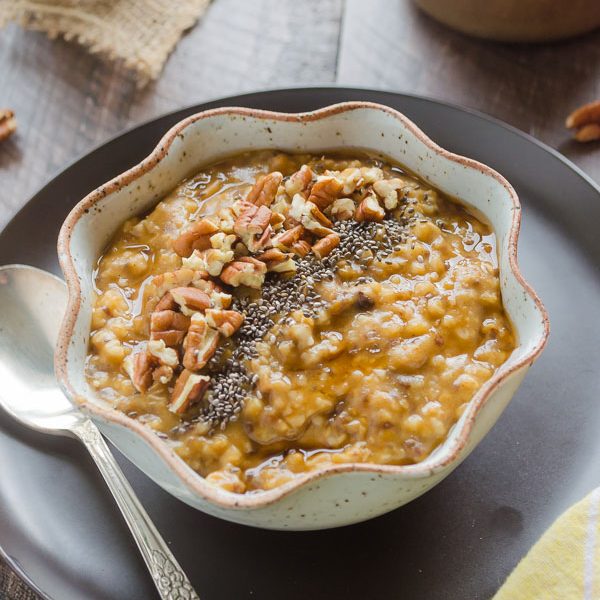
(278, 313)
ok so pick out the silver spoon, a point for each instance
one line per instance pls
(32, 306)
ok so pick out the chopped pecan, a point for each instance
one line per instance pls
(369, 210)
(164, 355)
(220, 300)
(189, 387)
(190, 299)
(584, 115)
(139, 369)
(200, 343)
(325, 190)
(195, 237)
(286, 239)
(169, 326)
(351, 178)
(325, 245)
(301, 248)
(161, 284)
(588, 133)
(163, 374)
(167, 302)
(226, 322)
(253, 226)
(277, 261)
(264, 190)
(299, 181)
(244, 271)
(343, 209)
(387, 189)
(8, 123)
(308, 214)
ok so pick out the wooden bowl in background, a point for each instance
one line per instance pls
(516, 20)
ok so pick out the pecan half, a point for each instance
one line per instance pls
(253, 226)
(343, 209)
(169, 326)
(325, 245)
(200, 343)
(190, 299)
(308, 214)
(141, 372)
(8, 123)
(244, 271)
(277, 261)
(195, 237)
(588, 133)
(189, 388)
(226, 322)
(325, 190)
(369, 210)
(301, 248)
(299, 181)
(286, 239)
(584, 115)
(264, 190)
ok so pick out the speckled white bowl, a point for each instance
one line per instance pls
(337, 495)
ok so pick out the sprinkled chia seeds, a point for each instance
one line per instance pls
(230, 382)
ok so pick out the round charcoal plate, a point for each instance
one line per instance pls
(59, 527)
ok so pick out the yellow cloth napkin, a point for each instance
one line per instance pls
(565, 562)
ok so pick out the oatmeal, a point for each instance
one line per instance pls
(279, 313)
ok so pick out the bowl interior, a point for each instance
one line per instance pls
(209, 136)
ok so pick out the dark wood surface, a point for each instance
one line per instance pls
(67, 101)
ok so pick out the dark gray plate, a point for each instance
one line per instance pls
(59, 526)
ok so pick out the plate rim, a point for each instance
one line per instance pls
(13, 564)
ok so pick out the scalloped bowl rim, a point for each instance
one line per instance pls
(445, 454)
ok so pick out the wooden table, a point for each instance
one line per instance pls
(68, 101)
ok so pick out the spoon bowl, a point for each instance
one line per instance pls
(33, 303)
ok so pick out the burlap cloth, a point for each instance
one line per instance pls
(139, 33)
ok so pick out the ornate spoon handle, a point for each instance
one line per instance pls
(169, 578)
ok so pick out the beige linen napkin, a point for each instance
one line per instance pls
(140, 33)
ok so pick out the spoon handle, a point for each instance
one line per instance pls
(169, 578)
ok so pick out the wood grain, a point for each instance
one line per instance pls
(68, 101)
(392, 45)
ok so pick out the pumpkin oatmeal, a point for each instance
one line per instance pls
(278, 313)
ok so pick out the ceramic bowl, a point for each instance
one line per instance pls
(339, 494)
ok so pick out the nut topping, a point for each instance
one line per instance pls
(200, 343)
(277, 261)
(301, 248)
(253, 226)
(343, 209)
(325, 191)
(195, 237)
(141, 371)
(189, 388)
(163, 374)
(244, 271)
(299, 181)
(325, 245)
(190, 299)
(369, 210)
(308, 214)
(165, 356)
(286, 239)
(387, 189)
(169, 326)
(264, 190)
(226, 322)
(586, 120)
